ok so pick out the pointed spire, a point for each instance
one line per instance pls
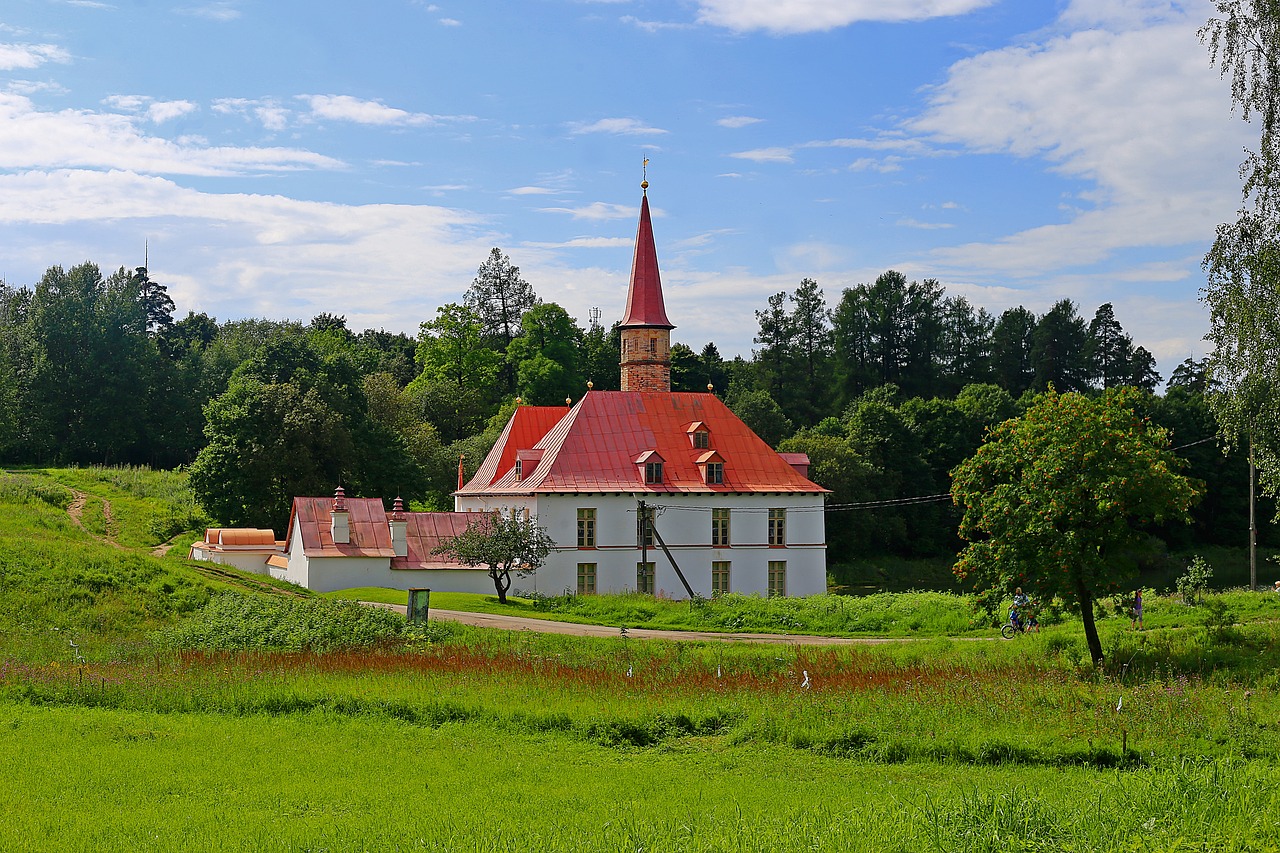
(644, 297)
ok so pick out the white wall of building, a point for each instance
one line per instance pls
(685, 526)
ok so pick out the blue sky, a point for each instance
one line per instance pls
(286, 158)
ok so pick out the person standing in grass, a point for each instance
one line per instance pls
(1136, 621)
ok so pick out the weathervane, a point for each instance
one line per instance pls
(644, 184)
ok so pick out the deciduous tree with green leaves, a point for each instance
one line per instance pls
(503, 543)
(1057, 501)
(1243, 265)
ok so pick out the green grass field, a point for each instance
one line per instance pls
(152, 704)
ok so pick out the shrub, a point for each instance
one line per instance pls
(234, 622)
(1195, 581)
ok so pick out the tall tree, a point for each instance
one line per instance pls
(1243, 265)
(601, 349)
(155, 300)
(500, 297)
(776, 358)
(966, 344)
(1012, 341)
(546, 356)
(811, 323)
(1057, 501)
(1108, 350)
(1058, 349)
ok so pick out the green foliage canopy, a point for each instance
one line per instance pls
(1055, 501)
(503, 544)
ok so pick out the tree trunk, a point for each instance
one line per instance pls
(1090, 627)
(502, 583)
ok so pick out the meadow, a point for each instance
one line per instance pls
(149, 704)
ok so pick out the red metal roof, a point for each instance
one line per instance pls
(595, 448)
(371, 533)
(644, 296)
(525, 429)
(425, 531)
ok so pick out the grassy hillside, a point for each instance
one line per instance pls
(77, 567)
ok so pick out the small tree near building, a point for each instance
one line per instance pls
(1055, 501)
(503, 544)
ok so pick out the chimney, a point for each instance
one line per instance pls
(340, 523)
(399, 525)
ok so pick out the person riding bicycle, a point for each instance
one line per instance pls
(1021, 615)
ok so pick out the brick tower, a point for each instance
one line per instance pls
(646, 331)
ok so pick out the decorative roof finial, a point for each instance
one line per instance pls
(644, 183)
(590, 384)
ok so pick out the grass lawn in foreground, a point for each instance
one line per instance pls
(106, 780)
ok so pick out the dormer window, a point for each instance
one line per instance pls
(526, 462)
(699, 435)
(712, 465)
(650, 465)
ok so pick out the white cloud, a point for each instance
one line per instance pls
(586, 243)
(162, 111)
(236, 255)
(623, 126)
(738, 121)
(926, 226)
(268, 112)
(347, 108)
(804, 16)
(32, 139)
(884, 165)
(654, 26)
(15, 56)
(449, 22)
(221, 11)
(885, 142)
(156, 111)
(766, 155)
(597, 210)
(1135, 112)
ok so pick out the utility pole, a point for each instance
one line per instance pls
(647, 525)
(1253, 522)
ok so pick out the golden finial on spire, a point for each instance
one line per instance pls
(644, 184)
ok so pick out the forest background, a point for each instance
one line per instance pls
(886, 393)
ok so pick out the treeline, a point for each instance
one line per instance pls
(886, 393)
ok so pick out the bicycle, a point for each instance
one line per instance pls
(1016, 625)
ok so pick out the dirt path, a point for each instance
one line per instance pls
(546, 626)
(76, 511)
